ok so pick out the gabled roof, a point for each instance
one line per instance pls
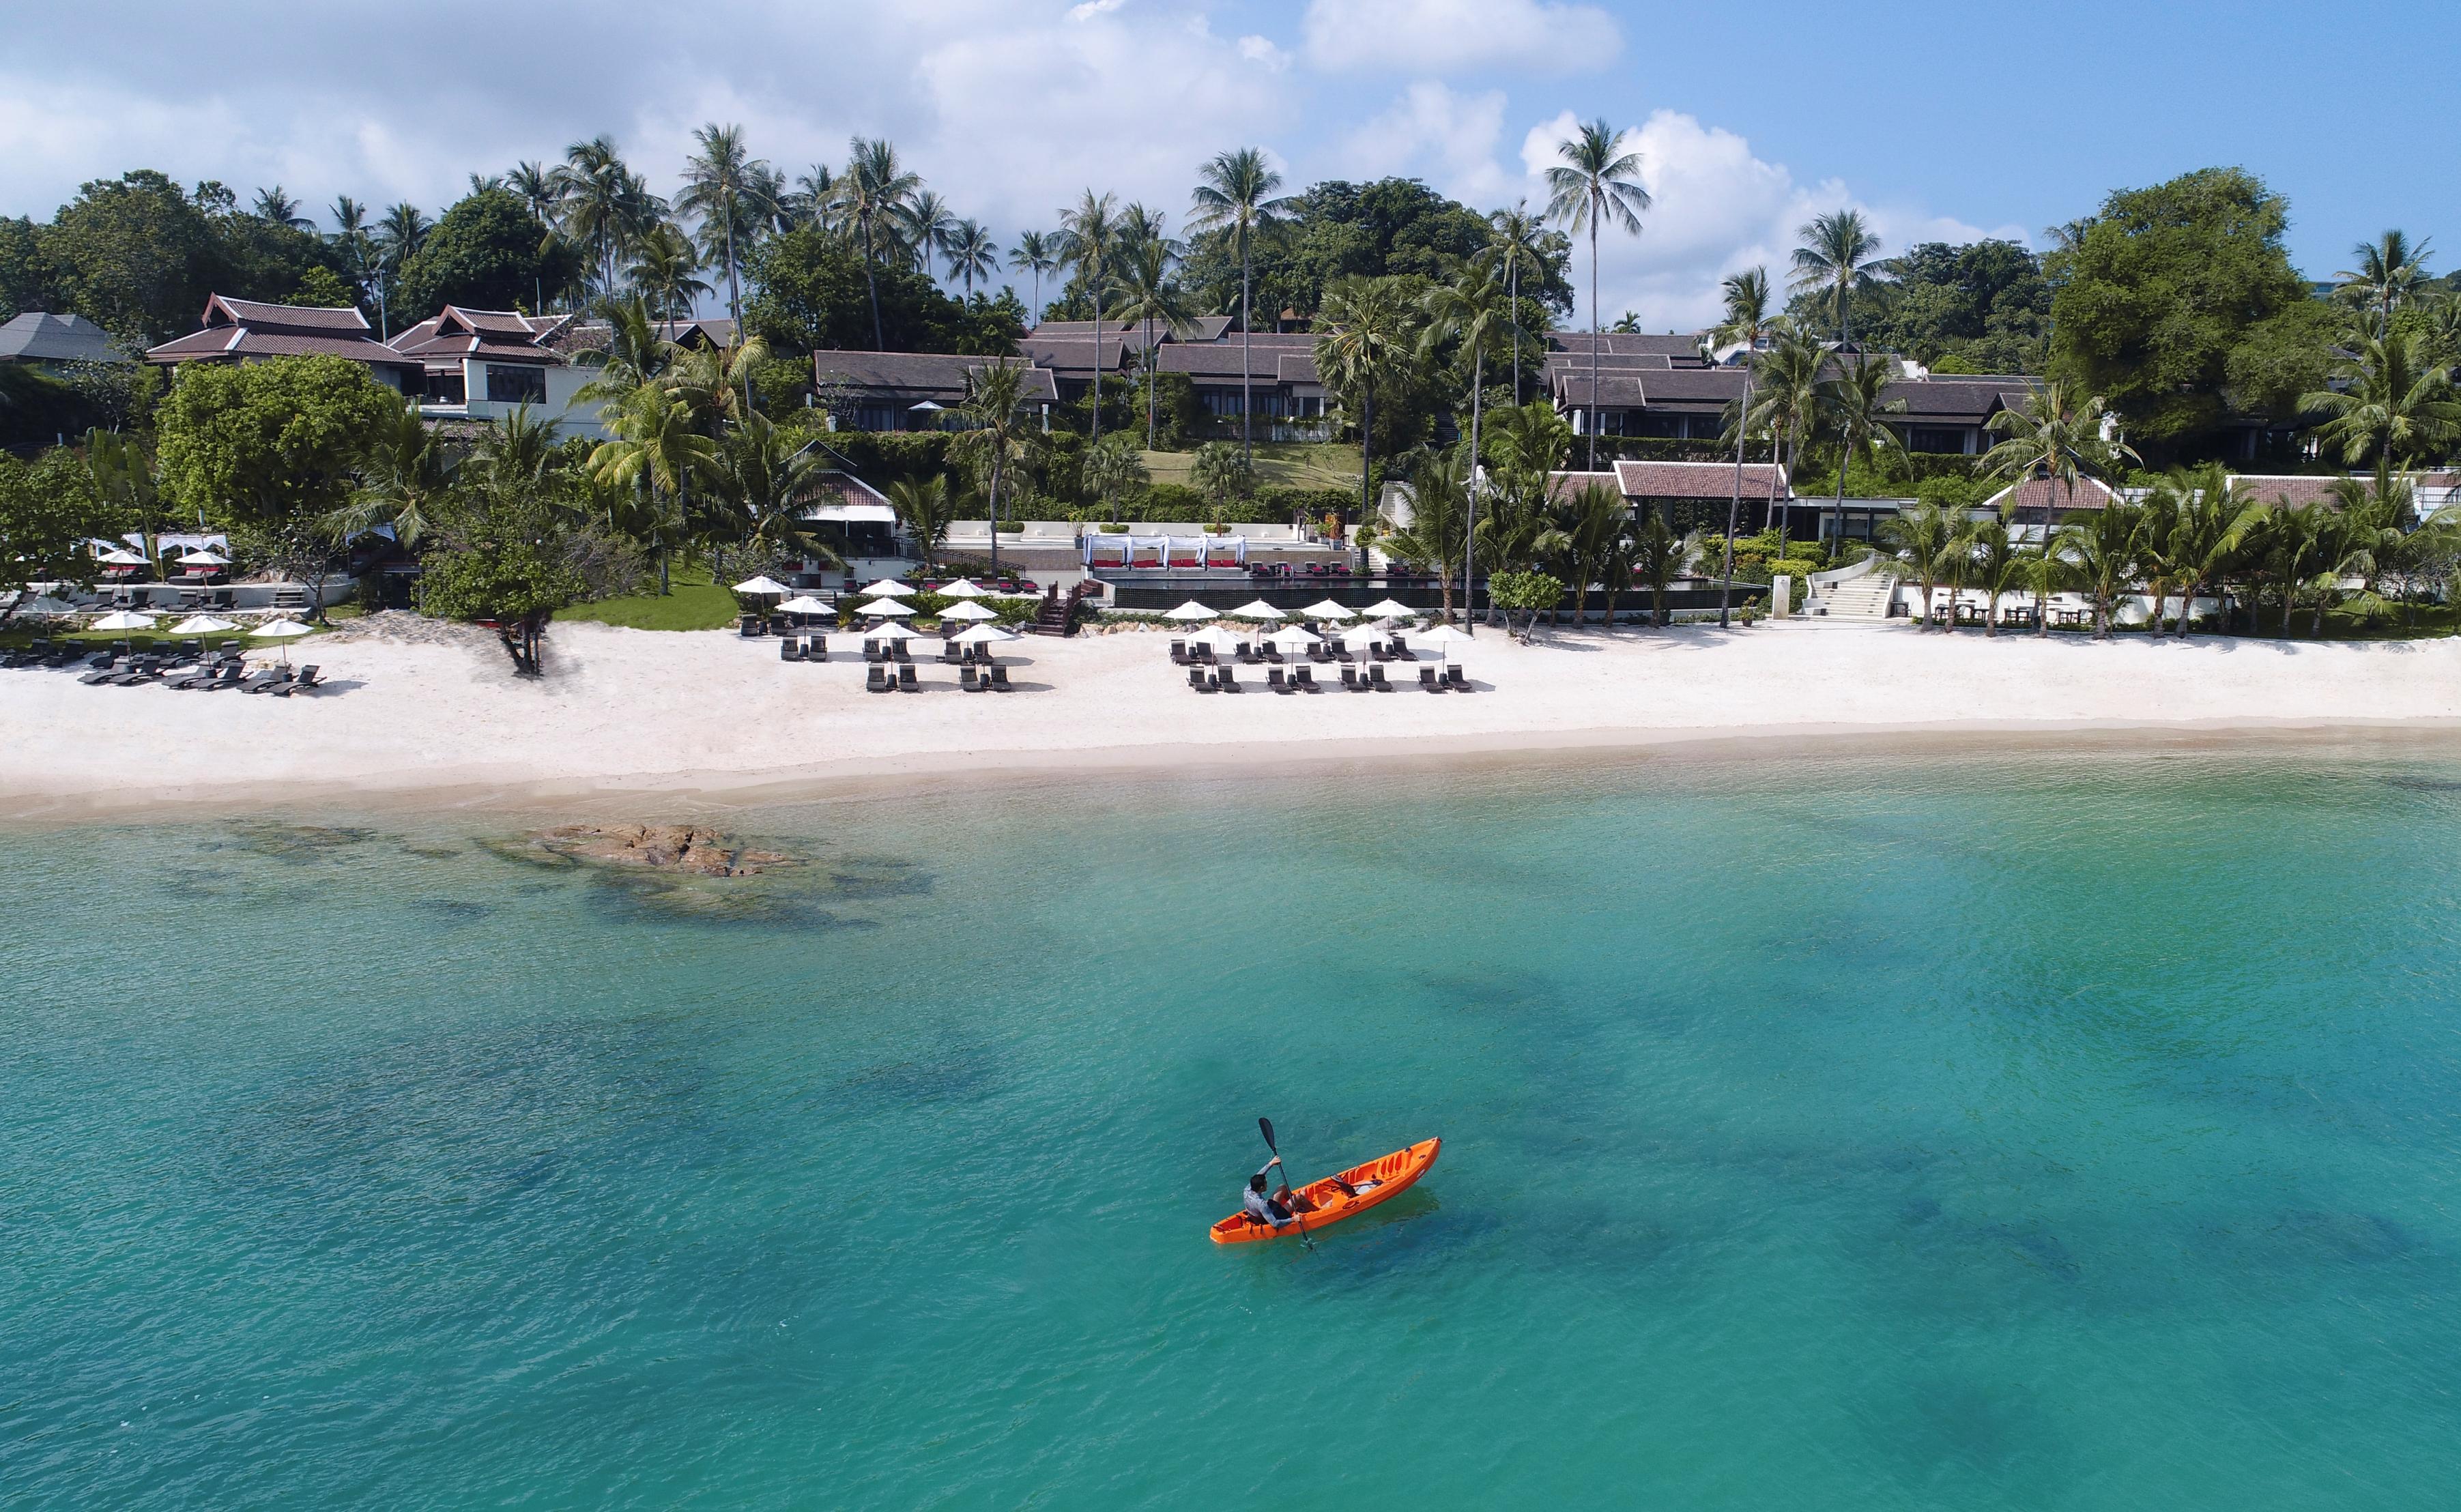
(935, 375)
(1632, 343)
(496, 335)
(2029, 497)
(1698, 480)
(1204, 328)
(299, 319)
(247, 329)
(1075, 355)
(36, 336)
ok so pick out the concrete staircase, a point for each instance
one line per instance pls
(1863, 598)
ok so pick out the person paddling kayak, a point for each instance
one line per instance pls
(1269, 1206)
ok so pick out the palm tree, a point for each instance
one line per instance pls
(1468, 309)
(926, 507)
(2389, 274)
(1657, 559)
(516, 452)
(2059, 437)
(403, 476)
(875, 189)
(724, 185)
(765, 480)
(1597, 518)
(2390, 403)
(635, 353)
(1839, 254)
(996, 432)
(1924, 545)
(2106, 555)
(2205, 517)
(1438, 534)
(1854, 401)
(1792, 407)
(124, 479)
(1512, 246)
(714, 381)
(1037, 252)
(655, 451)
(1090, 237)
(1596, 183)
(927, 226)
(1996, 565)
(1151, 295)
(1750, 321)
(1366, 334)
(814, 200)
(1235, 199)
(596, 204)
(278, 208)
(403, 232)
(972, 255)
(1110, 467)
(661, 272)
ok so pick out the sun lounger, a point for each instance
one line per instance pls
(1349, 678)
(141, 669)
(791, 649)
(875, 679)
(952, 654)
(306, 681)
(26, 655)
(1000, 680)
(230, 674)
(1248, 654)
(1428, 680)
(1196, 679)
(1274, 680)
(1270, 654)
(751, 627)
(1179, 652)
(1229, 679)
(1304, 679)
(106, 666)
(1455, 680)
(269, 678)
(902, 653)
(971, 681)
(1376, 678)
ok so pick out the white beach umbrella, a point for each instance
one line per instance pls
(201, 558)
(1443, 638)
(284, 630)
(763, 588)
(804, 603)
(969, 610)
(1388, 609)
(1190, 613)
(119, 557)
(895, 630)
(1258, 610)
(965, 588)
(1327, 609)
(1219, 638)
(981, 635)
(892, 588)
(884, 608)
(45, 604)
(202, 625)
(1290, 638)
(123, 620)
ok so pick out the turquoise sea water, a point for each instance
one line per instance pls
(1987, 1130)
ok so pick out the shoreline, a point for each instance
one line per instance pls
(666, 796)
(703, 721)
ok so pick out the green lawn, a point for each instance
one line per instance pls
(696, 604)
(1279, 464)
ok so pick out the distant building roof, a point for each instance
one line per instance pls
(2030, 495)
(1639, 481)
(1076, 354)
(496, 335)
(939, 376)
(36, 336)
(1204, 328)
(247, 329)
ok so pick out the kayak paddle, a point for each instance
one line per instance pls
(1265, 1126)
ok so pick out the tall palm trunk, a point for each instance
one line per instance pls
(1366, 450)
(998, 457)
(1512, 282)
(1097, 435)
(1247, 326)
(2043, 583)
(1735, 505)
(1469, 533)
(871, 288)
(1153, 371)
(1594, 420)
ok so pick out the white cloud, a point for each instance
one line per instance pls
(1094, 8)
(1432, 133)
(1444, 36)
(1715, 208)
(1261, 50)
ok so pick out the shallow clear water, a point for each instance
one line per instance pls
(2005, 1131)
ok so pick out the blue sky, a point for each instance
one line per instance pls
(1941, 120)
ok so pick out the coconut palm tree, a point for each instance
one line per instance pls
(601, 205)
(1037, 252)
(1149, 295)
(1597, 520)
(1791, 408)
(1090, 242)
(1365, 331)
(516, 452)
(1657, 555)
(1513, 249)
(1110, 468)
(401, 231)
(2062, 437)
(403, 475)
(927, 226)
(1994, 564)
(1924, 546)
(997, 435)
(1438, 534)
(763, 481)
(874, 191)
(2105, 550)
(727, 187)
(661, 272)
(1854, 402)
(1594, 183)
(1234, 200)
(2389, 274)
(1840, 254)
(278, 208)
(658, 452)
(972, 255)
(1750, 321)
(927, 506)
(2388, 402)
(534, 186)
(635, 353)
(1470, 310)
(713, 381)
(124, 479)
(813, 201)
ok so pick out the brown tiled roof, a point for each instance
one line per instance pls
(499, 335)
(1204, 328)
(1295, 367)
(936, 376)
(222, 311)
(1949, 398)
(2030, 495)
(1221, 361)
(1697, 479)
(1627, 342)
(1608, 362)
(1072, 355)
(239, 343)
(2304, 488)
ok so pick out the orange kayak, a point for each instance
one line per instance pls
(1326, 1203)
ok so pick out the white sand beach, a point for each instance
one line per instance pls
(709, 713)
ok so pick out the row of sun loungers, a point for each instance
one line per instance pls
(901, 679)
(1302, 680)
(223, 670)
(1249, 654)
(882, 653)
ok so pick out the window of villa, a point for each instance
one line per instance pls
(509, 385)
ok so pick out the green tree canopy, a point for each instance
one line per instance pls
(261, 443)
(2160, 291)
(49, 509)
(810, 293)
(1980, 307)
(489, 253)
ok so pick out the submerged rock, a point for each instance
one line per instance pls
(687, 848)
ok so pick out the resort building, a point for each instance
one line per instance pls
(1694, 496)
(477, 365)
(906, 391)
(248, 330)
(52, 343)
